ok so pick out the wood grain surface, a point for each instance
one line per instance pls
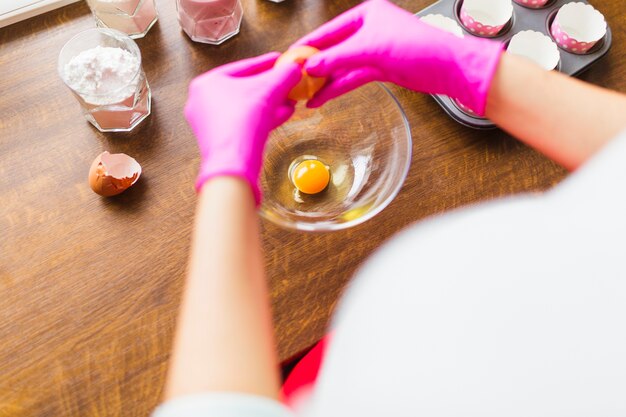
(89, 287)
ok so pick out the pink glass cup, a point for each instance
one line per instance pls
(210, 21)
(133, 17)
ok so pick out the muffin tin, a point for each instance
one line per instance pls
(524, 18)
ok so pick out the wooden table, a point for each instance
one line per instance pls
(89, 287)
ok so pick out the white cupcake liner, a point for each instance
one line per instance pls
(444, 23)
(537, 47)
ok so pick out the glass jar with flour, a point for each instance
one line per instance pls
(102, 68)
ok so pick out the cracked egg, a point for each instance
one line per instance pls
(113, 173)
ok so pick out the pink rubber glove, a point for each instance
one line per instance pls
(232, 110)
(378, 41)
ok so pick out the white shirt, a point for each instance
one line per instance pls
(512, 308)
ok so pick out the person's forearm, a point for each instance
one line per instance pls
(224, 339)
(564, 118)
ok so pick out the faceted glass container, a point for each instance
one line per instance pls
(133, 17)
(109, 110)
(210, 21)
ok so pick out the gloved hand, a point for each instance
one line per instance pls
(232, 109)
(378, 41)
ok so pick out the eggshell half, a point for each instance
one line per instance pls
(111, 174)
(308, 86)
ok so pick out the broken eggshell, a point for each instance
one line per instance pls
(112, 173)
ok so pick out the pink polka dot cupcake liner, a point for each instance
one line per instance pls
(566, 42)
(477, 27)
(578, 27)
(533, 4)
(486, 17)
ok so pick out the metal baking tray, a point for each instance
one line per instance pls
(524, 18)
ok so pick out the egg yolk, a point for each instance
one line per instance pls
(311, 176)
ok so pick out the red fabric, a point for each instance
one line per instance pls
(304, 374)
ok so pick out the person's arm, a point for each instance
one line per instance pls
(224, 339)
(562, 117)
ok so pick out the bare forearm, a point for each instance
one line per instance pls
(564, 118)
(224, 339)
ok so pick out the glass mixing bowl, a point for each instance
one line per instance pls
(364, 139)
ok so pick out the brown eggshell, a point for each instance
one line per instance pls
(308, 86)
(111, 174)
